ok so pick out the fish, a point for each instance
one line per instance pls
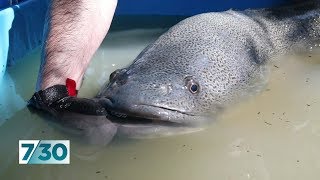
(201, 66)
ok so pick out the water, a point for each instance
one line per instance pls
(274, 135)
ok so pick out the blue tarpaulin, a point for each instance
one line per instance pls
(189, 7)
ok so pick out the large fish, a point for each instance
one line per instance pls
(202, 65)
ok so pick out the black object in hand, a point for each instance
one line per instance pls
(56, 100)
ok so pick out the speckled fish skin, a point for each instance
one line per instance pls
(225, 53)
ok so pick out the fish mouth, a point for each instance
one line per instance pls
(145, 114)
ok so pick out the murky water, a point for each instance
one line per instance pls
(275, 135)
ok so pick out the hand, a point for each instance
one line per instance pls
(56, 101)
(83, 114)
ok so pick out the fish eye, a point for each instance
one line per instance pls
(192, 85)
(114, 74)
(193, 88)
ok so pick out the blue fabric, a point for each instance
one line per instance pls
(21, 29)
(27, 27)
(4, 4)
(6, 19)
(189, 7)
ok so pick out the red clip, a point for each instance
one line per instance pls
(71, 87)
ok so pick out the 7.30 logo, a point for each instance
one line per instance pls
(44, 152)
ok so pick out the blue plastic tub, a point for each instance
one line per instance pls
(21, 25)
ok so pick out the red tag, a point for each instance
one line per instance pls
(71, 87)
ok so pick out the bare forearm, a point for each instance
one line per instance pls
(75, 30)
